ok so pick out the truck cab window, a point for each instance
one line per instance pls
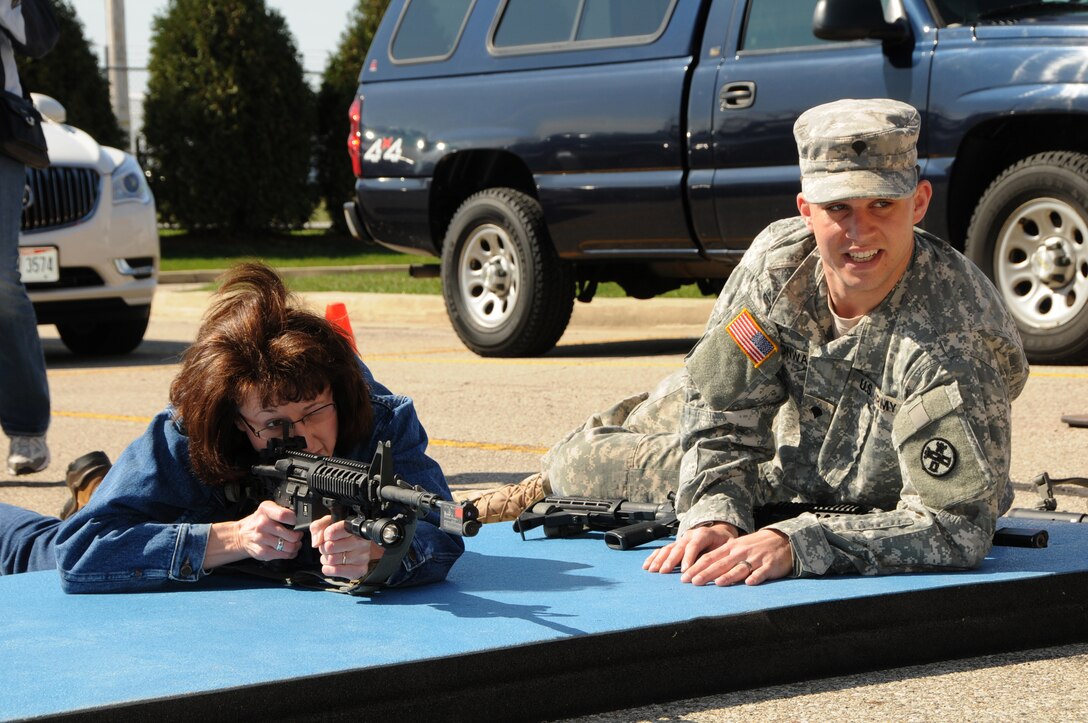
(777, 24)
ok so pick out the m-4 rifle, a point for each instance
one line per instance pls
(377, 505)
(629, 524)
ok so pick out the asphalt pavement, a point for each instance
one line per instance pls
(490, 419)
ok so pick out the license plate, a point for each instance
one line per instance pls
(39, 264)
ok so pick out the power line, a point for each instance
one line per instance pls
(135, 69)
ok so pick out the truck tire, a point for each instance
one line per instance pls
(1029, 234)
(507, 293)
(104, 338)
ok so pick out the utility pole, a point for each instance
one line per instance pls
(117, 65)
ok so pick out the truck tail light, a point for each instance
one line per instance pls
(355, 139)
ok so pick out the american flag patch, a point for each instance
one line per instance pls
(756, 345)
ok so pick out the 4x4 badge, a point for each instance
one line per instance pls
(386, 149)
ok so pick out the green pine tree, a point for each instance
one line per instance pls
(338, 86)
(228, 119)
(70, 73)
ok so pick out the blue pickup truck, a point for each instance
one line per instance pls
(540, 148)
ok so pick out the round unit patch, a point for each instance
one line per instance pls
(938, 457)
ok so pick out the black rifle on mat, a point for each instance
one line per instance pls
(627, 525)
(378, 505)
(1047, 509)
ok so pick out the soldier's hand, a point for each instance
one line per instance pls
(689, 546)
(752, 559)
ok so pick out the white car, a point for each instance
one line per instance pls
(89, 246)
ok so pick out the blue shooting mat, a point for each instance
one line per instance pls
(540, 627)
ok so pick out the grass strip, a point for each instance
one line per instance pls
(186, 251)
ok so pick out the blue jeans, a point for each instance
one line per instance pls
(26, 540)
(24, 390)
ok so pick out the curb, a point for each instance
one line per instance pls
(204, 276)
(187, 301)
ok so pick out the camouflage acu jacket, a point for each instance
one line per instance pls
(908, 413)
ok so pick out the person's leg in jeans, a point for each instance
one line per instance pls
(26, 540)
(24, 389)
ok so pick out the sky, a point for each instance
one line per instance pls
(315, 24)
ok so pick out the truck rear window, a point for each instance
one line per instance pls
(429, 29)
(559, 23)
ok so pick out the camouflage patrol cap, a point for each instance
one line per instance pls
(858, 149)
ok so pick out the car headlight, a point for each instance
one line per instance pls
(129, 183)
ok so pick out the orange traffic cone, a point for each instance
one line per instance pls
(337, 315)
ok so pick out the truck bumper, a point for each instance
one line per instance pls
(355, 224)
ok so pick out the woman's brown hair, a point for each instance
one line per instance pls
(257, 337)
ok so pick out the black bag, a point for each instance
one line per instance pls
(21, 134)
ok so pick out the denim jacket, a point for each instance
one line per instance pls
(148, 523)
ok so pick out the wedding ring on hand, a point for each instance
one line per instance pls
(279, 544)
(748, 565)
(344, 559)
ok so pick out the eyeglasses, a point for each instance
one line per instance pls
(275, 428)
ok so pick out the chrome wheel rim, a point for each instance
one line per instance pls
(488, 274)
(1041, 263)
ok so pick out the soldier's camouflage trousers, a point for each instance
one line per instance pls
(631, 450)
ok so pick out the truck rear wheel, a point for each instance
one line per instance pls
(1029, 234)
(507, 293)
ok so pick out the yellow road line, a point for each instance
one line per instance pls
(1060, 375)
(109, 370)
(489, 446)
(106, 417)
(669, 364)
(455, 443)
(422, 352)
